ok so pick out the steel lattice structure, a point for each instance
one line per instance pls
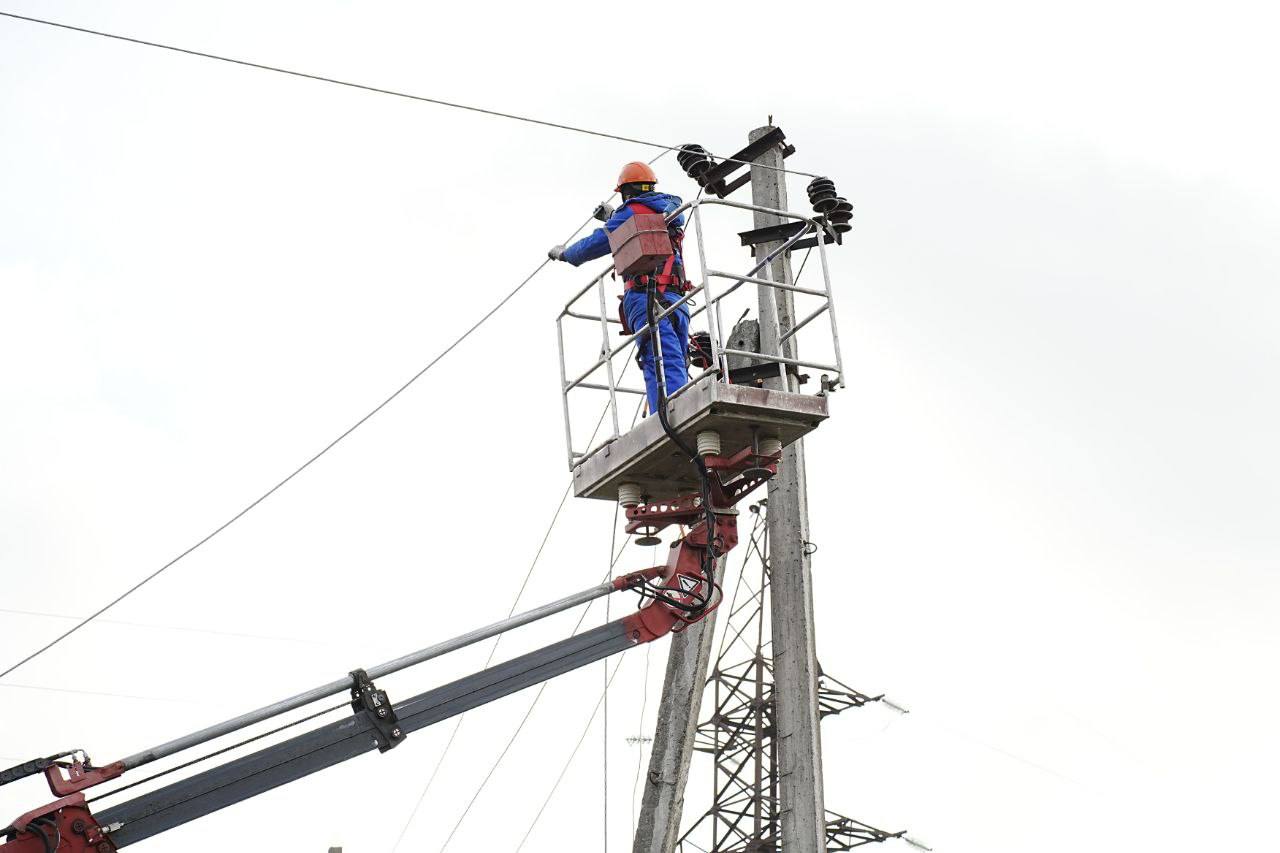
(739, 733)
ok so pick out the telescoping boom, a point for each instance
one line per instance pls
(375, 723)
(676, 594)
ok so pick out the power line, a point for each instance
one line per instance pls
(224, 750)
(100, 693)
(304, 466)
(494, 767)
(527, 714)
(492, 651)
(604, 731)
(155, 627)
(381, 91)
(644, 703)
(523, 584)
(572, 755)
(541, 688)
(502, 302)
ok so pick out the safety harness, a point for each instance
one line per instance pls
(671, 276)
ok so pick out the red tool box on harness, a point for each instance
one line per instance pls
(640, 245)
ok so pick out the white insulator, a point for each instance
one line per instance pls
(628, 494)
(770, 446)
(708, 443)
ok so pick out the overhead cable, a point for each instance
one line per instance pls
(382, 91)
(604, 732)
(223, 750)
(529, 712)
(613, 561)
(156, 627)
(304, 466)
(492, 651)
(572, 755)
(644, 704)
(99, 693)
(523, 584)
(494, 310)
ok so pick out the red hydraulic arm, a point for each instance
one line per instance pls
(688, 568)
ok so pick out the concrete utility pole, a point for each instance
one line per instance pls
(791, 605)
(658, 827)
(799, 749)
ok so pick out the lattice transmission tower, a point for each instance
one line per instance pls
(739, 733)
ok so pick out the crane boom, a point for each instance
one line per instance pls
(344, 739)
(678, 593)
(375, 723)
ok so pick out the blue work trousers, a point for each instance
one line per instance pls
(673, 333)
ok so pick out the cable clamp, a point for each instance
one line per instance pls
(371, 703)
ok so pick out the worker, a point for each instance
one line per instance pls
(636, 185)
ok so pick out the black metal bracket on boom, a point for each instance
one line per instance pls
(371, 703)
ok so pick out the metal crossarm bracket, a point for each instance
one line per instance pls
(785, 231)
(755, 375)
(371, 703)
(716, 178)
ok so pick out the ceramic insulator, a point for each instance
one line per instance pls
(770, 446)
(708, 443)
(628, 494)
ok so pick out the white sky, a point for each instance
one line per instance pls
(1046, 503)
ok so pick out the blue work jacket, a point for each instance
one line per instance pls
(596, 244)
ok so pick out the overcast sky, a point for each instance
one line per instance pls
(1046, 504)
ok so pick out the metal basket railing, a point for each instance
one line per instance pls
(713, 300)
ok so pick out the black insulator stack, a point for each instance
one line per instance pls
(696, 162)
(700, 349)
(827, 203)
(822, 194)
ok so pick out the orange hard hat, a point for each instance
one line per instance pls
(636, 173)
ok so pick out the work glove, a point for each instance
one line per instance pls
(603, 211)
(556, 253)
